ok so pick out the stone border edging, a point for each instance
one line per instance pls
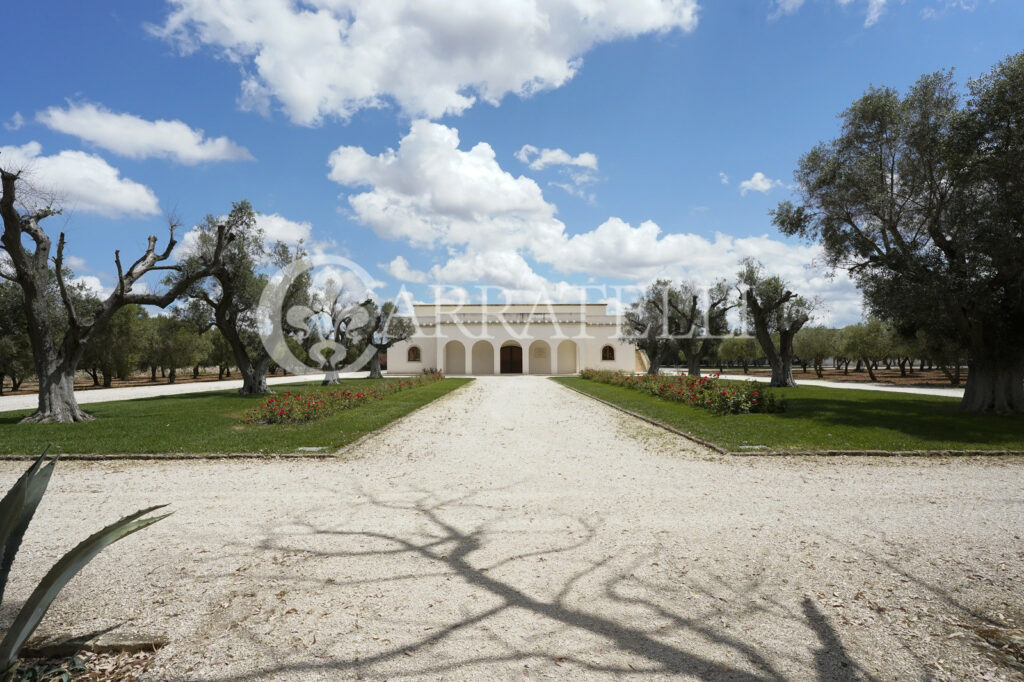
(801, 453)
(187, 456)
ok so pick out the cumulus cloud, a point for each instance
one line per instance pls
(723, 178)
(759, 182)
(494, 228)
(577, 171)
(76, 263)
(400, 269)
(322, 58)
(80, 181)
(539, 159)
(138, 138)
(429, 192)
(93, 285)
(277, 228)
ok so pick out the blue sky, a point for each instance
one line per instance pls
(635, 114)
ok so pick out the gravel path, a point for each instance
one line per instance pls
(515, 530)
(9, 403)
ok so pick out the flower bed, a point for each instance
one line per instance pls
(300, 408)
(707, 392)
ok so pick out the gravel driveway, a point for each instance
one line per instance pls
(515, 530)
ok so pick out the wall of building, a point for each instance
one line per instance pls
(546, 348)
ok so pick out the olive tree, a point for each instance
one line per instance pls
(700, 319)
(773, 310)
(385, 329)
(814, 345)
(867, 342)
(920, 197)
(740, 349)
(29, 247)
(232, 292)
(648, 323)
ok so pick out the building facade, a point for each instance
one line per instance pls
(486, 339)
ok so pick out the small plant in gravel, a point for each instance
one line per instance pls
(708, 392)
(300, 408)
(16, 511)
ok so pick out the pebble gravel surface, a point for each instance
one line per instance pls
(516, 530)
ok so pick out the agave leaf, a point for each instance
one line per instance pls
(16, 512)
(59, 576)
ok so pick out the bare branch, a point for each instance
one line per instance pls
(120, 273)
(58, 265)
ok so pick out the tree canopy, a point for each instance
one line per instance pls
(920, 197)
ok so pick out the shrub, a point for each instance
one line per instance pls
(709, 392)
(301, 408)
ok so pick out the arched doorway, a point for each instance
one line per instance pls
(483, 358)
(511, 358)
(454, 358)
(567, 357)
(540, 357)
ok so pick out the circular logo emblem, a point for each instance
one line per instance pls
(334, 328)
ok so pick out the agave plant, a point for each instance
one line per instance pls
(16, 511)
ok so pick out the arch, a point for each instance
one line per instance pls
(540, 357)
(482, 358)
(567, 357)
(413, 355)
(454, 358)
(608, 353)
(511, 358)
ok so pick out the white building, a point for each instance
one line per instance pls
(482, 339)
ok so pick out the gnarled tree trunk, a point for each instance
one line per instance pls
(254, 376)
(57, 403)
(994, 386)
(375, 367)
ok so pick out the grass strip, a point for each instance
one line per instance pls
(211, 423)
(830, 420)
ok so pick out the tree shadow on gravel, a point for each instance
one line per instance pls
(655, 648)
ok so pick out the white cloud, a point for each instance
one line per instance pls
(493, 227)
(759, 182)
(400, 269)
(323, 58)
(80, 181)
(431, 193)
(76, 263)
(785, 7)
(723, 178)
(138, 138)
(874, 10)
(277, 228)
(16, 122)
(93, 285)
(539, 159)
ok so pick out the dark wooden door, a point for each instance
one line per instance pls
(511, 360)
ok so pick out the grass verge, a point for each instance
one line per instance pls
(821, 419)
(210, 423)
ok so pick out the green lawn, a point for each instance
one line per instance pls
(829, 419)
(209, 423)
